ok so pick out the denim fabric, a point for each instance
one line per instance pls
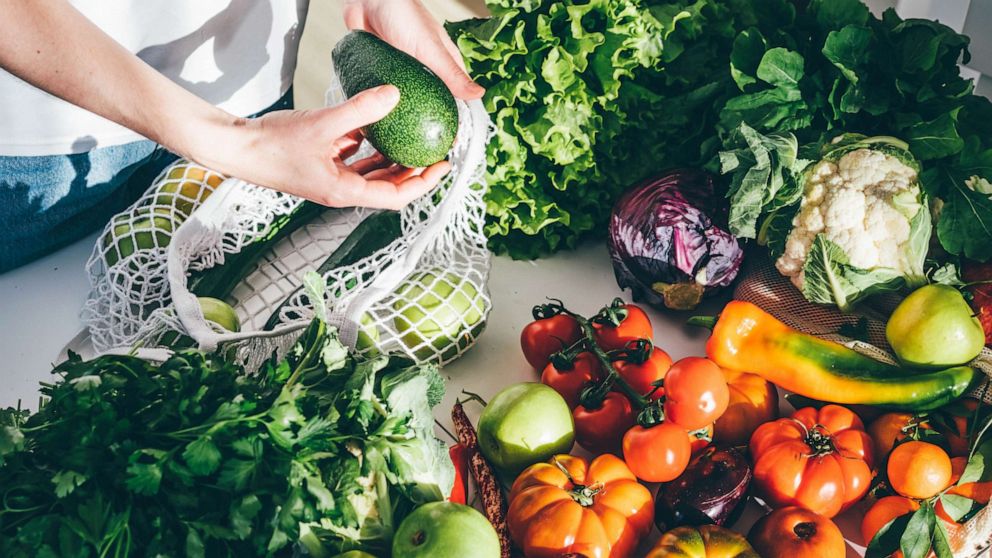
(50, 201)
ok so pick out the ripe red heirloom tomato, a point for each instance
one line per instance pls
(544, 337)
(636, 325)
(601, 430)
(696, 393)
(641, 375)
(657, 454)
(819, 460)
(570, 382)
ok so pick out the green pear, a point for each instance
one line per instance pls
(934, 327)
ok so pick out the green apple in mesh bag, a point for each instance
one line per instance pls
(145, 229)
(437, 313)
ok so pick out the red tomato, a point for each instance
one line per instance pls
(601, 430)
(569, 383)
(696, 393)
(657, 454)
(640, 375)
(817, 459)
(636, 325)
(542, 338)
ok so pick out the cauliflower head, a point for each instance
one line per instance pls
(863, 225)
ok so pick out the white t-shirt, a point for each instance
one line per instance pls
(237, 54)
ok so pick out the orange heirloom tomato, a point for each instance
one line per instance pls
(818, 460)
(706, 541)
(753, 402)
(569, 505)
(796, 533)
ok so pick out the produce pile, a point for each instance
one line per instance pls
(193, 457)
(590, 98)
(708, 430)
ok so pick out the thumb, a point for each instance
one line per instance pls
(371, 105)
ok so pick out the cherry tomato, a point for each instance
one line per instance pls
(569, 383)
(636, 325)
(542, 338)
(657, 454)
(641, 375)
(601, 430)
(696, 393)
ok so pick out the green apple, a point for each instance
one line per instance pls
(146, 229)
(368, 335)
(524, 424)
(934, 327)
(220, 313)
(446, 530)
(355, 554)
(437, 314)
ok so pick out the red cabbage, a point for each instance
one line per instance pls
(669, 242)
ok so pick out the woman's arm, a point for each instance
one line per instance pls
(52, 46)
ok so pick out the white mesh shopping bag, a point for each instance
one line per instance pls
(422, 293)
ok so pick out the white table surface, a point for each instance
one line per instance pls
(40, 303)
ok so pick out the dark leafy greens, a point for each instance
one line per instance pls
(835, 68)
(195, 458)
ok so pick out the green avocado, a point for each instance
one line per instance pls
(421, 129)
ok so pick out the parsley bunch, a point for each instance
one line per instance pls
(320, 451)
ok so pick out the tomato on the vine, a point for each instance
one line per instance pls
(600, 430)
(659, 453)
(641, 375)
(696, 393)
(546, 336)
(634, 325)
(584, 370)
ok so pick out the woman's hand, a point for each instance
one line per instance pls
(408, 26)
(302, 152)
(298, 152)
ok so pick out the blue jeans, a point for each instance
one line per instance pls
(49, 201)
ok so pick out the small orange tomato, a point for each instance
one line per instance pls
(659, 453)
(918, 469)
(753, 402)
(891, 428)
(795, 532)
(696, 393)
(884, 511)
(571, 506)
(818, 459)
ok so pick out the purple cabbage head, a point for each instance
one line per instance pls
(669, 241)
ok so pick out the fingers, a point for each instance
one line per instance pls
(384, 194)
(370, 164)
(369, 106)
(438, 53)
